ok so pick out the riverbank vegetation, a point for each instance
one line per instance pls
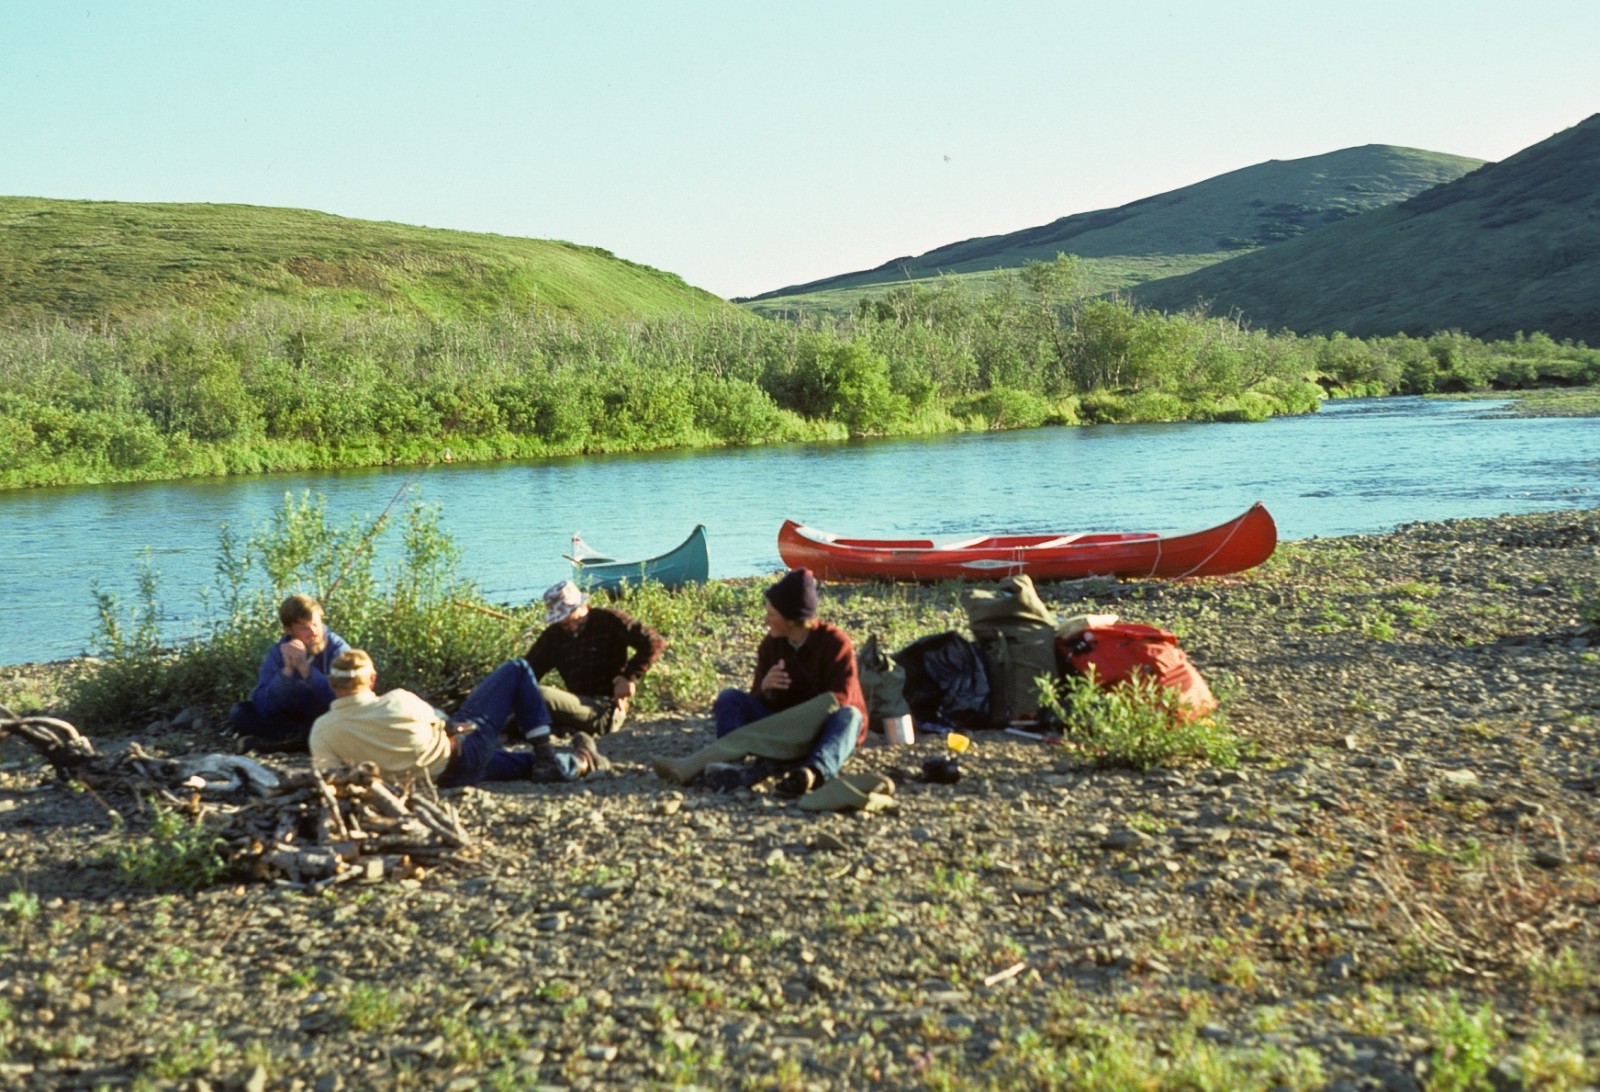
(307, 386)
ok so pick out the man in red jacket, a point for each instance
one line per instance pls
(800, 658)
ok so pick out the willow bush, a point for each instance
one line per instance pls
(296, 388)
(424, 624)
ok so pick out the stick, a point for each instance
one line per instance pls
(492, 613)
(1010, 972)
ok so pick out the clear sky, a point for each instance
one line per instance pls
(749, 144)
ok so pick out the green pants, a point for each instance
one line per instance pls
(571, 713)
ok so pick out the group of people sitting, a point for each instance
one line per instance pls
(801, 719)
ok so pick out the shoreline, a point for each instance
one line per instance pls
(1403, 878)
(1583, 401)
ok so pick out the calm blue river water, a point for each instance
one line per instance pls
(1360, 466)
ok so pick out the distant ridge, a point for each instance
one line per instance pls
(1257, 206)
(1514, 245)
(113, 261)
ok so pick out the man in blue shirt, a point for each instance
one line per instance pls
(292, 690)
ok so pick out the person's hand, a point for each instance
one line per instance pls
(295, 660)
(777, 677)
(622, 689)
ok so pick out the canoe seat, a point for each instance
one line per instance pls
(1063, 540)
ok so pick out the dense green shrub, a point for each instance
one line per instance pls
(1138, 724)
(301, 387)
(417, 617)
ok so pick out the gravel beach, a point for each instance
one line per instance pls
(1399, 888)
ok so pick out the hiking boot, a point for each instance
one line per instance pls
(724, 777)
(731, 776)
(590, 760)
(797, 782)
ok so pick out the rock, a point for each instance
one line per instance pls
(1125, 838)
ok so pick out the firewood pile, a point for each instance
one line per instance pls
(308, 830)
(317, 830)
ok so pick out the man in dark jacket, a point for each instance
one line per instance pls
(601, 654)
(292, 688)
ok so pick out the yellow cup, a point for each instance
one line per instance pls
(957, 742)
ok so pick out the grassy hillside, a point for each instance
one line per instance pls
(1512, 246)
(1168, 234)
(112, 260)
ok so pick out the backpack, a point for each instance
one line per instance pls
(883, 683)
(1119, 650)
(945, 681)
(1016, 636)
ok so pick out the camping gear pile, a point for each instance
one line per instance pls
(995, 679)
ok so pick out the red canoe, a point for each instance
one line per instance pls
(1239, 544)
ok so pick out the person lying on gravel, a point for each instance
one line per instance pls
(601, 653)
(292, 689)
(406, 737)
(805, 669)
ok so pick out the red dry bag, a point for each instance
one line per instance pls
(1117, 651)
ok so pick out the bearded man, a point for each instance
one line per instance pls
(292, 689)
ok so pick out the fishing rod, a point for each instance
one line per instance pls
(377, 525)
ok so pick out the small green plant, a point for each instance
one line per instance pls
(555, 991)
(1079, 1051)
(22, 906)
(1140, 724)
(372, 1008)
(1465, 1042)
(1559, 972)
(470, 1042)
(1378, 626)
(1589, 605)
(951, 881)
(1145, 822)
(176, 852)
(191, 1051)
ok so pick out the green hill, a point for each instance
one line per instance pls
(112, 261)
(1158, 237)
(1514, 245)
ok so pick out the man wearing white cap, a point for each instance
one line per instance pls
(601, 654)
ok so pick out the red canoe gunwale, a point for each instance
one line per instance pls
(1239, 544)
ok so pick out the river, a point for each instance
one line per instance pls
(1360, 466)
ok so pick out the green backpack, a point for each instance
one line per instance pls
(1016, 635)
(883, 683)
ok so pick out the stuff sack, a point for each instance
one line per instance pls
(945, 681)
(1117, 651)
(883, 683)
(1016, 636)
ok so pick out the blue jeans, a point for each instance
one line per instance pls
(510, 688)
(834, 744)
